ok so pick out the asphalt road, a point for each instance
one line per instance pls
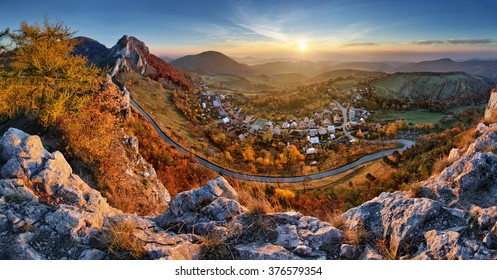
(271, 179)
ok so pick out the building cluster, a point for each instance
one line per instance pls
(307, 133)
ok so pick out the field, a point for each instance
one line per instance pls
(420, 115)
(414, 116)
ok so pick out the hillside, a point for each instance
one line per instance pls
(487, 69)
(211, 63)
(418, 88)
(94, 51)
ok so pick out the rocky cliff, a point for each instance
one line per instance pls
(48, 212)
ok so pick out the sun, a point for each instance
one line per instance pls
(303, 46)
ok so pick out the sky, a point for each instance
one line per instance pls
(310, 29)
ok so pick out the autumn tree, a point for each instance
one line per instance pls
(42, 75)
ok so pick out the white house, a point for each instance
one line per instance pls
(311, 151)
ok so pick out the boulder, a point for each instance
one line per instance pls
(394, 216)
(10, 143)
(215, 202)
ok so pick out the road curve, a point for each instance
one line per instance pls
(271, 179)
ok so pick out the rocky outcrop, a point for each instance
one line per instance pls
(491, 105)
(48, 212)
(453, 219)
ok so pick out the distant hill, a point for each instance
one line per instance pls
(346, 73)
(211, 63)
(484, 68)
(93, 50)
(454, 88)
(167, 59)
(307, 68)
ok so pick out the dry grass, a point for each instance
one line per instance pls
(440, 164)
(121, 243)
(465, 138)
(383, 247)
(357, 236)
(254, 197)
(215, 247)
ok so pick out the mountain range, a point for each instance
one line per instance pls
(212, 63)
(215, 63)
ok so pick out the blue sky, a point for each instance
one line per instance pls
(337, 29)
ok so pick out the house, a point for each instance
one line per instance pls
(351, 113)
(326, 122)
(303, 124)
(285, 125)
(322, 131)
(241, 137)
(216, 103)
(248, 120)
(226, 120)
(254, 128)
(337, 119)
(311, 151)
(276, 130)
(293, 124)
(313, 132)
(331, 128)
(314, 140)
(332, 136)
(312, 123)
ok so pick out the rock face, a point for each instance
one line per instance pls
(492, 104)
(47, 212)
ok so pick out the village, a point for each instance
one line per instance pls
(330, 127)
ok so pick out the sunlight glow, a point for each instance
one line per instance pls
(303, 46)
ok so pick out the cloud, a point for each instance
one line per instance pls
(453, 42)
(469, 41)
(267, 31)
(427, 42)
(361, 44)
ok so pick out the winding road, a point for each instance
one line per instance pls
(272, 179)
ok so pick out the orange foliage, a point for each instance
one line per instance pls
(177, 172)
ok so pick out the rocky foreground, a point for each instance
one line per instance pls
(48, 212)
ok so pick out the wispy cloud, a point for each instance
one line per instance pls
(453, 42)
(267, 31)
(427, 42)
(469, 41)
(361, 44)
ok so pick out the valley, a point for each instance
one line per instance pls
(287, 125)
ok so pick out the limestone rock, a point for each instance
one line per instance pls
(217, 201)
(492, 105)
(256, 251)
(394, 216)
(370, 253)
(349, 252)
